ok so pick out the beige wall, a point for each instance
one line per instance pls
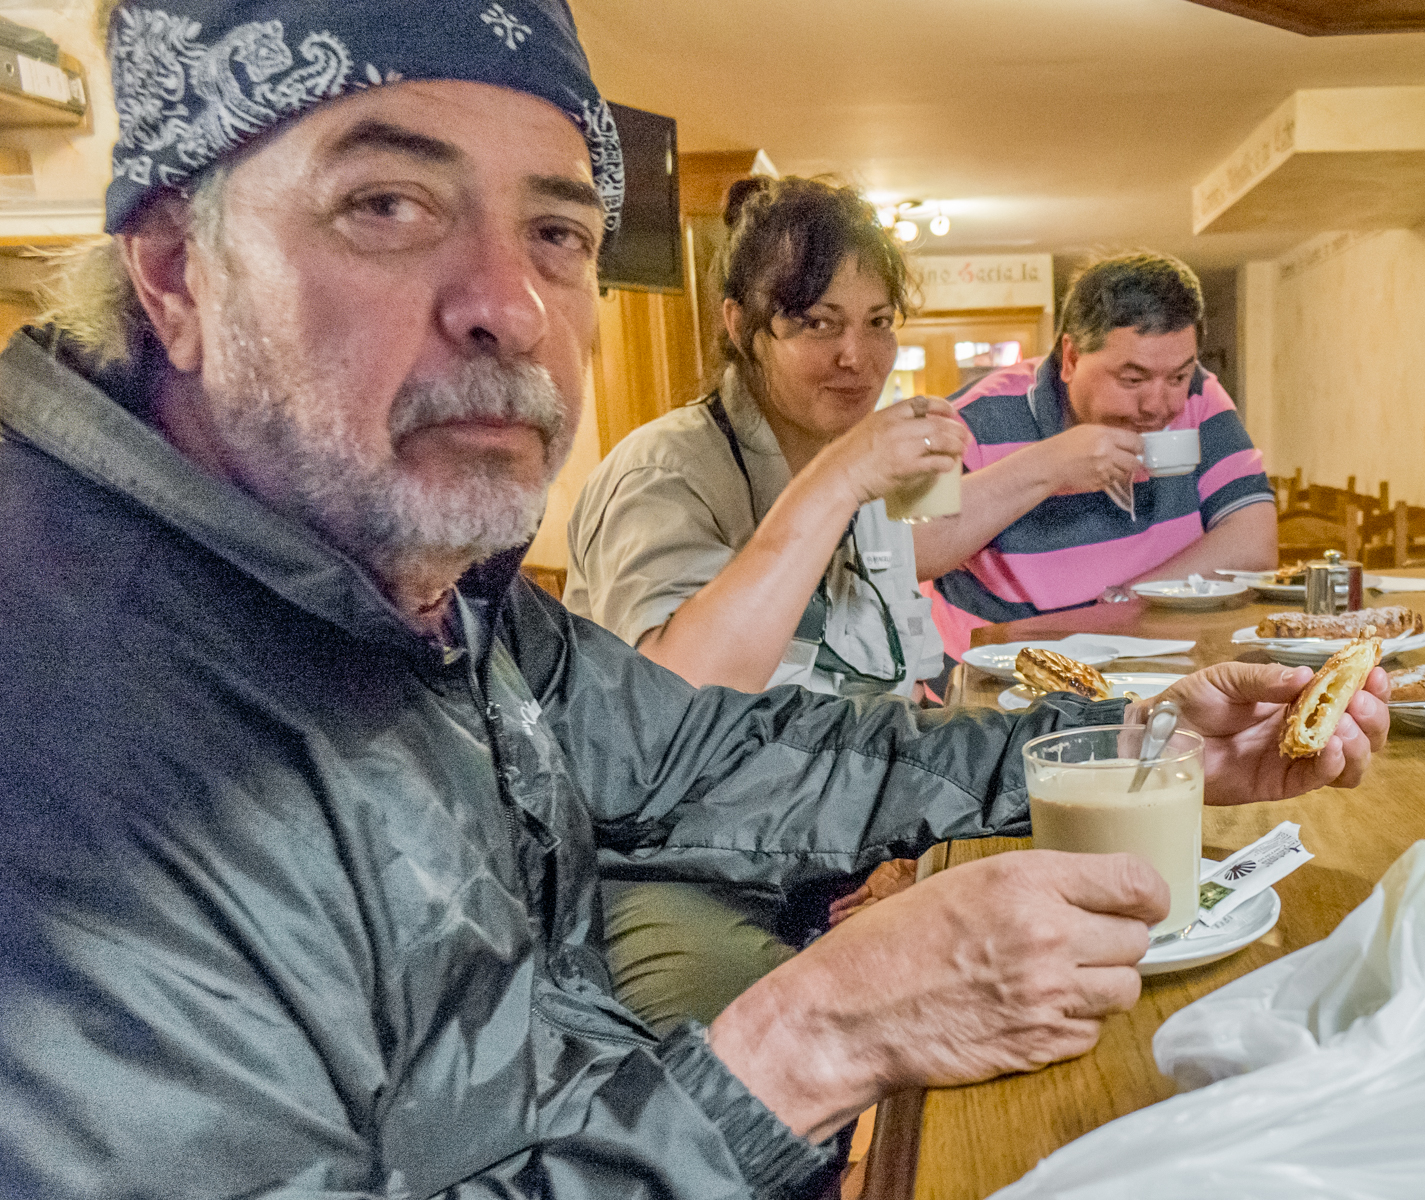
(1343, 392)
(550, 547)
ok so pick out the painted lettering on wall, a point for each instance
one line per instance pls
(985, 281)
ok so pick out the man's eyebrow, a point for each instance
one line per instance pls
(381, 135)
(561, 187)
(1142, 370)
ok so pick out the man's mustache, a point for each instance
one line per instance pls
(483, 389)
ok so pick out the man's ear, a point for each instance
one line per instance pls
(156, 257)
(1068, 359)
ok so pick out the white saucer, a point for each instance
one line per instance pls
(1179, 593)
(999, 660)
(1410, 714)
(1312, 652)
(1144, 683)
(1207, 943)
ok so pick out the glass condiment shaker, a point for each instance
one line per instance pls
(1334, 584)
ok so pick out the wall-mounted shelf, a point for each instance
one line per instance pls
(50, 224)
(37, 94)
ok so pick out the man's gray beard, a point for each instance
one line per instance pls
(371, 507)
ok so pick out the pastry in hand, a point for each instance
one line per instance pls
(1312, 717)
(1049, 671)
(1407, 685)
(1389, 622)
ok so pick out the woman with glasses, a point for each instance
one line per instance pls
(742, 540)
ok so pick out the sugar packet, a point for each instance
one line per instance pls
(1252, 869)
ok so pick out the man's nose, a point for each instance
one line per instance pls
(1160, 402)
(491, 302)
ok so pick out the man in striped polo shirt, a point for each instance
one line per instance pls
(1037, 532)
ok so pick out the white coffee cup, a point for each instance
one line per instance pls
(1171, 452)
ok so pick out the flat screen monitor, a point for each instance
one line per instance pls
(646, 251)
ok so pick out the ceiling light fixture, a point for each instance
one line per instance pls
(906, 231)
(940, 225)
(887, 215)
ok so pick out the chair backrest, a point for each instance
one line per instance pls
(1408, 533)
(1304, 534)
(1332, 502)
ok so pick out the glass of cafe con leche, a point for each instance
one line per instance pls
(1079, 801)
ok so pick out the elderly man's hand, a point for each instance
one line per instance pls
(1239, 708)
(1005, 964)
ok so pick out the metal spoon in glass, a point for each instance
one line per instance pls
(1162, 720)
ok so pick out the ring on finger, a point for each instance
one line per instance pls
(919, 406)
(929, 449)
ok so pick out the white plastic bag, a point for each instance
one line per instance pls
(1311, 1078)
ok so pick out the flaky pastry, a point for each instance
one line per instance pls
(1313, 715)
(1050, 671)
(1389, 622)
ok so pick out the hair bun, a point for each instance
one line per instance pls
(738, 195)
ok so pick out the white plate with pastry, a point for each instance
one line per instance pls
(1142, 684)
(1407, 698)
(1207, 943)
(1313, 652)
(1299, 639)
(1194, 592)
(999, 660)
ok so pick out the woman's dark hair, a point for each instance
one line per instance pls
(1148, 292)
(789, 237)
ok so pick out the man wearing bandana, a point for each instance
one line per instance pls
(302, 787)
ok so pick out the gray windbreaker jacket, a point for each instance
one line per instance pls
(292, 906)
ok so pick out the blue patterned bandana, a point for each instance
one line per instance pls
(191, 86)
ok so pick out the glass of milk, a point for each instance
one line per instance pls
(1079, 801)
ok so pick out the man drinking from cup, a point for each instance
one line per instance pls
(1113, 460)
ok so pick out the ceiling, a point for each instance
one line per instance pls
(1326, 17)
(1053, 125)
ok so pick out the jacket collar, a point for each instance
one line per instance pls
(55, 408)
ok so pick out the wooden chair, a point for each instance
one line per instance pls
(1288, 490)
(1394, 538)
(1304, 534)
(1378, 540)
(1332, 502)
(1409, 535)
(551, 579)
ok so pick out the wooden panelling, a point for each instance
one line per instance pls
(644, 362)
(1318, 18)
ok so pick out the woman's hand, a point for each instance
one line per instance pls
(894, 446)
(888, 879)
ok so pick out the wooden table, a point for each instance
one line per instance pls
(965, 1143)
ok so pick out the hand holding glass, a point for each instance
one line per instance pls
(1079, 801)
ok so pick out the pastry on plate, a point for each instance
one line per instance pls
(1284, 576)
(1407, 685)
(1389, 623)
(1312, 717)
(1050, 671)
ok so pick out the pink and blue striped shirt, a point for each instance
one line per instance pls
(1064, 552)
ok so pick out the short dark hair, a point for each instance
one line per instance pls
(1151, 293)
(789, 238)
